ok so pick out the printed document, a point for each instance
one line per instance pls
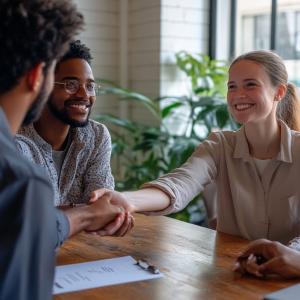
(76, 277)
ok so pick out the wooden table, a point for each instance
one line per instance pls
(197, 263)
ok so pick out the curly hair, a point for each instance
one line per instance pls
(34, 31)
(77, 50)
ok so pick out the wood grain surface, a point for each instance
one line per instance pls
(196, 262)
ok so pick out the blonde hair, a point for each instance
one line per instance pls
(288, 109)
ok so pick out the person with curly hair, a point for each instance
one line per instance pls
(74, 151)
(33, 36)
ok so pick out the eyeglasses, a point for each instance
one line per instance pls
(72, 86)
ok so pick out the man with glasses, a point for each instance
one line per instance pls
(74, 150)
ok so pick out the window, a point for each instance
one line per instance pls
(255, 32)
(267, 24)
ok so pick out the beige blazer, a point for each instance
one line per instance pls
(248, 205)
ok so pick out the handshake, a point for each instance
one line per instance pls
(107, 213)
(112, 213)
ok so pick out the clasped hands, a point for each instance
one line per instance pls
(264, 257)
(112, 213)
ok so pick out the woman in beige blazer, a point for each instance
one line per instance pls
(256, 168)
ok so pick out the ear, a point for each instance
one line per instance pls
(281, 92)
(35, 77)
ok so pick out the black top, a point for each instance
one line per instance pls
(29, 225)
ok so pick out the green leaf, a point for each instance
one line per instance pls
(168, 109)
(125, 124)
(129, 95)
(222, 116)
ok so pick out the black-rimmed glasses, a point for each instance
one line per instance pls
(72, 86)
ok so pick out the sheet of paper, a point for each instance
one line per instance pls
(290, 293)
(76, 277)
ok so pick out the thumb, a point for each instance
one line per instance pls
(97, 194)
(270, 267)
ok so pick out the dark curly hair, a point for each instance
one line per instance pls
(31, 32)
(77, 50)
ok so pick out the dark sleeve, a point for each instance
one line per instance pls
(62, 226)
(28, 236)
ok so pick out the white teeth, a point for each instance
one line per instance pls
(80, 106)
(243, 106)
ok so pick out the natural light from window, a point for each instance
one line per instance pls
(254, 30)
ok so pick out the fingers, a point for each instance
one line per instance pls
(252, 267)
(97, 194)
(123, 223)
(126, 226)
(112, 227)
(275, 266)
(257, 248)
(271, 267)
(248, 265)
(238, 267)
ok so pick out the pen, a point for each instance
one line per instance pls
(146, 266)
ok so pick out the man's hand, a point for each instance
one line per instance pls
(124, 222)
(93, 217)
(264, 257)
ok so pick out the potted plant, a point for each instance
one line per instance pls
(147, 151)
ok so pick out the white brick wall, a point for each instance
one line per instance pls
(101, 35)
(157, 29)
(144, 48)
(184, 26)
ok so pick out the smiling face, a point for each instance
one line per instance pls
(251, 95)
(72, 109)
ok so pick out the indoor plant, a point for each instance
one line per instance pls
(146, 151)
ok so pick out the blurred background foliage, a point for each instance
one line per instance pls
(183, 121)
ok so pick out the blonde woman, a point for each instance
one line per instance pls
(255, 169)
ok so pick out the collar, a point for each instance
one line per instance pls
(241, 149)
(30, 131)
(76, 134)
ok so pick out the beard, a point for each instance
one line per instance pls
(63, 115)
(37, 106)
